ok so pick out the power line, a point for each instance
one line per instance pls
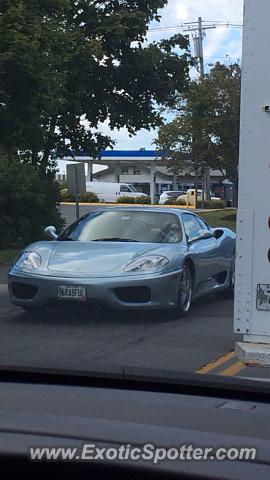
(189, 26)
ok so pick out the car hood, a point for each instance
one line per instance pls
(97, 258)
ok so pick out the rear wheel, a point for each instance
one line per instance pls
(185, 293)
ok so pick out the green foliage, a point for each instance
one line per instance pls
(8, 256)
(138, 200)
(220, 219)
(181, 201)
(170, 202)
(28, 203)
(65, 196)
(218, 204)
(62, 62)
(89, 197)
(175, 201)
(205, 129)
(125, 199)
(212, 204)
(143, 200)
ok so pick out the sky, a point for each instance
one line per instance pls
(221, 44)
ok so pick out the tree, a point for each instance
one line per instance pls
(67, 65)
(27, 203)
(206, 124)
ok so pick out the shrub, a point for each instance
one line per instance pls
(170, 202)
(181, 202)
(213, 204)
(218, 204)
(125, 199)
(174, 201)
(143, 200)
(28, 203)
(89, 197)
(65, 196)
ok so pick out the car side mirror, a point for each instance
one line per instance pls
(50, 232)
(204, 235)
(218, 232)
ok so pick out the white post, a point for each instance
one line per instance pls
(153, 183)
(252, 291)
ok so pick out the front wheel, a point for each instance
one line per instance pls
(185, 293)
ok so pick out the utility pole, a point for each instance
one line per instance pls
(198, 34)
(200, 38)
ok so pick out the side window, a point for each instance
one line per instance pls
(191, 225)
(124, 188)
(203, 224)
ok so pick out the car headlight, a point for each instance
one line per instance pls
(144, 264)
(29, 261)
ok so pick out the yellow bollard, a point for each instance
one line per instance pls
(187, 203)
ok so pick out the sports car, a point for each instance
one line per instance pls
(127, 258)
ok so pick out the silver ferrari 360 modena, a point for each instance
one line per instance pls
(127, 258)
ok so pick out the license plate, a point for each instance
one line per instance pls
(72, 292)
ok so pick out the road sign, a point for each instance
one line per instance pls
(76, 180)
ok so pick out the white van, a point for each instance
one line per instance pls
(110, 192)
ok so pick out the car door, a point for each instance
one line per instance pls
(125, 191)
(204, 252)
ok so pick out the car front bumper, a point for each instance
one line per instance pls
(116, 292)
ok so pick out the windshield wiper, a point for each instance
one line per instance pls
(114, 239)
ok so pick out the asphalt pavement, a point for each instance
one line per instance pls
(80, 337)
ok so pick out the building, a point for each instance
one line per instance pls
(140, 177)
(147, 170)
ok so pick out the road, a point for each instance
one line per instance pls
(84, 337)
(80, 338)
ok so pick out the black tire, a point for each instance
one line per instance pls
(231, 288)
(185, 293)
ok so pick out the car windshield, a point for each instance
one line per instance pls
(132, 188)
(129, 226)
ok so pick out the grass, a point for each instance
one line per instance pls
(7, 256)
(220, 218)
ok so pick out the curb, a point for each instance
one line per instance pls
(126, 205)
(181, 207)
